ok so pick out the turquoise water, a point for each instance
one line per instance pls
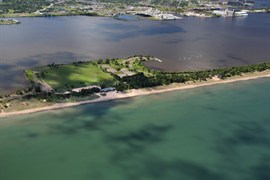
(211, 133)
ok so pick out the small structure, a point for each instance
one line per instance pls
(240, 13)
(9, 21)
(224, 13)
(234, 3)
(109, 89)
(165, 16)
(108, 68)
(240, 3)
(127, 72)
(84, 88)
(230, 13)
(158, 14)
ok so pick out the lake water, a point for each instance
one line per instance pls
(188, 44)
(212, 133)
(261, 3)
(127, 17)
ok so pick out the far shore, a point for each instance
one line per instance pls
(142, 92)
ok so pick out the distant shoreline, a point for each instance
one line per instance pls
(21, 15)
(9, 21)
(142, 92)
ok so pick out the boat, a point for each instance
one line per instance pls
(240, 13)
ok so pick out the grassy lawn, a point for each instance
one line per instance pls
(71, 76)
(131, 64)
(30, 75)
(120, 64)
(141, 68)
(66, 77)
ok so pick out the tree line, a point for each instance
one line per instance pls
(159, 78)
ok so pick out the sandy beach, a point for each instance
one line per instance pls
(141, 92)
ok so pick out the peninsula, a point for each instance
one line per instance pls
(9, 21)
(64, 85)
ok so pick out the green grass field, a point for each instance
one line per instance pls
(71, 76)
(30, 76)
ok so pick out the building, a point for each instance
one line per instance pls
(84, 88)
(235, 3)
(224, 13)
(230, 13)
(109, 89)
(240, 3)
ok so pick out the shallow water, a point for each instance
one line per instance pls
(188, 44)
(220, 132)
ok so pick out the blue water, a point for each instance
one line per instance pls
(261, 3)
(212, 133)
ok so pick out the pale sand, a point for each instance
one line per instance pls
(140, 92)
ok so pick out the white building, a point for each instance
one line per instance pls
(229, 13)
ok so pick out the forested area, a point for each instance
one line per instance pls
(139, 80)
(22, 6)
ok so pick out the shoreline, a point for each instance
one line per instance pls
(142, 92)
(29, 15)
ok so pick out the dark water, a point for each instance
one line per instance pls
(126, 17)
(261, 3)
(212, 133)
(188, 44)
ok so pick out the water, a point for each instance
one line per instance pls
(127, 17)
(188, 44)
(261, 3)
(212, 133)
